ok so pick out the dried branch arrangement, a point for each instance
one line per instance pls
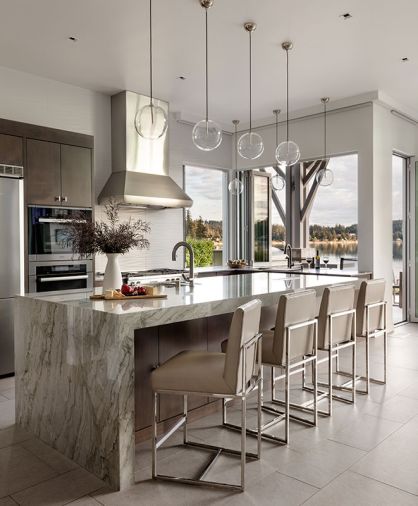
(112, 236)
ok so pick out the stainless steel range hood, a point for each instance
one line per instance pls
(139, 166)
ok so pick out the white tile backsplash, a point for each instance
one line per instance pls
(166, 229)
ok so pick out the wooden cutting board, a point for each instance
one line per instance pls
(129, 297)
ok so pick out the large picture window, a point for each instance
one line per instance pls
(205, 220)
(334, 215)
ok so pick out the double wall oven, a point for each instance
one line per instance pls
(52, 264)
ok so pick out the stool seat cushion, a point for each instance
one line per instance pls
(192, 371)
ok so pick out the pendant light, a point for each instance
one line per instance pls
(278, 181)
(206, 135)
(287, 152)
(235, 187)
(151, 120)
(250, 144)
(325, 177)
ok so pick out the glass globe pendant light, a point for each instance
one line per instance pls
(278, 181)
(287, 152)
(250, 144)
(325, 177)
(207, 135)
(235, 187)
(151, 120)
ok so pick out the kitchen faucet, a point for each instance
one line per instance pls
(289, 255)
(189, 248)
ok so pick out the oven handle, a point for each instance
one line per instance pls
(58, 220)
(64, 278)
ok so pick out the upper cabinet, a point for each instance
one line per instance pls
(43, 174)
(76, 176)
(58, 174)
(11, 150)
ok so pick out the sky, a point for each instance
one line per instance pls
(335, 204)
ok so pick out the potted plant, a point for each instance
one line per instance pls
(111, 237)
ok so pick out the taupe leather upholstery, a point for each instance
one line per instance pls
(335, 299)
(371, 292)
(294, 308)
(216, 373)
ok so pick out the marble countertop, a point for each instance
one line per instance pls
(209, 296)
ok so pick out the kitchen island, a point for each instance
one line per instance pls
(83, 366)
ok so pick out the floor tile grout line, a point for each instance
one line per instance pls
(43, 460)
(383, 483)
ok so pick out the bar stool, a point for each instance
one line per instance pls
(231, 375)
(290, 347)
(371, 323)
(336, 331)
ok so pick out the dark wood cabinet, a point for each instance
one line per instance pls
(174, 338)
(43, 174)
(146, 359)
(76, 176)
(11, 150)
(58, 174)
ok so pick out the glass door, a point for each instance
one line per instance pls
(399, 239)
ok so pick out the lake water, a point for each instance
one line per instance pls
(334, 251)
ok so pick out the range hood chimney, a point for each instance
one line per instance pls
(139, 166)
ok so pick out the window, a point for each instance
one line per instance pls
(278, 205)
(333, 218)
(204, 221)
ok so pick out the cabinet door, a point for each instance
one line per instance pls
(146, 359)
(43, 172)
(11, 150)
(76, 174)
(174, 338)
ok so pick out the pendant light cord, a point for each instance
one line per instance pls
(236, 149)
(206, 67)
(150, 49)
(287, 95)
(325, 131)
(251, 91)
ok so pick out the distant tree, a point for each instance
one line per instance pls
(190, 225)
(201, 229)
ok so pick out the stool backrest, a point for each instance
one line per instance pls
(294, 308)
(245, 326)
(371, 292)
(336, 299)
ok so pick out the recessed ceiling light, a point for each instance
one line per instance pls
(346, 15)
(405, 59)
(182, 78)
(73, 39)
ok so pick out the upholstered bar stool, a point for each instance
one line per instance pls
(289, 347)
(371, 323)
(336, 331)
(233, 374)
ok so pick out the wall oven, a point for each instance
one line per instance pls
(47, 232)
(60, 275)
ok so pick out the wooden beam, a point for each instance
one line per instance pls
(307, 206)
(280, 171)
(279, 207)
(313, 168)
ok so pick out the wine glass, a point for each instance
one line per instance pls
(309, 260)
(326, 260)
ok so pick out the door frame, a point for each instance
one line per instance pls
(412, 168)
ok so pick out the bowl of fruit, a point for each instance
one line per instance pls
(237, 264)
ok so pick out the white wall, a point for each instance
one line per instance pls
(32, 99)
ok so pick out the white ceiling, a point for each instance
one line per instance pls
(331, 57)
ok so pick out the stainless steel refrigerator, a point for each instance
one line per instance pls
(11, 264)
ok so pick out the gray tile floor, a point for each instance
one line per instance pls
(365, 454)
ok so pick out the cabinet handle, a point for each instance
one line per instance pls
(64, 199)
(57, 198)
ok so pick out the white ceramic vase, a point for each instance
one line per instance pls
(113, 276)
